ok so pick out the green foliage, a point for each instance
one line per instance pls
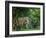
(32, 13)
